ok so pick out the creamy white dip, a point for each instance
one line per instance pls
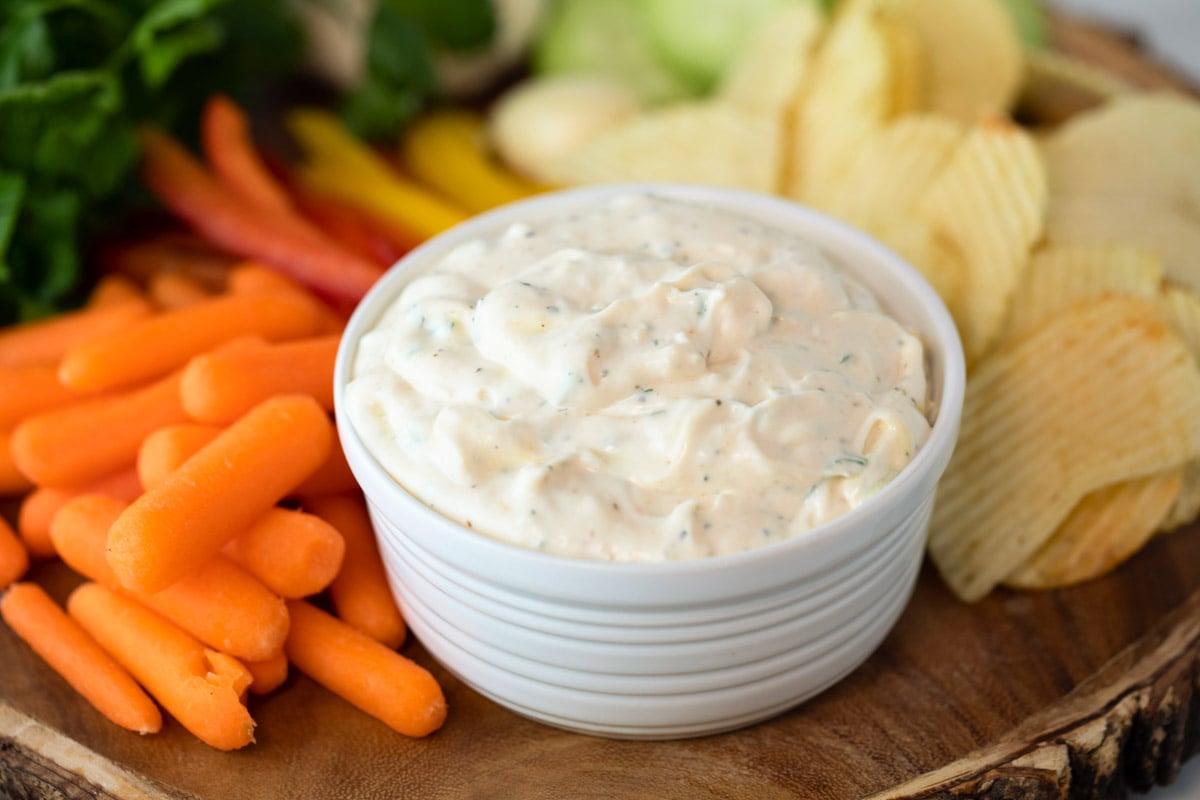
(643, 381)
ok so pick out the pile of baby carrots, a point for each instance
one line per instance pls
(172, 443)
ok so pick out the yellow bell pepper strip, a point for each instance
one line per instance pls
(342, 167)
(446, 150)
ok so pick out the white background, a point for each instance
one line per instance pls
(1170, 32)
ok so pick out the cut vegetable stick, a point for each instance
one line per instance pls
(172, 290)
(293, 553)
(89, 440)
(222, 605)
(342, 167)
(444, 149)
(29, 390)
(227, 608)
(75, 655)
(201, 688)
(164, 450)
(378, 680)
(79, 532)
(14, 559)
(332, 477)
(178, 251)
(229, 149)
(267, 675)
(39, 507)
(33, 519)
(222, 385)
(385, 239)
(346, 226)
(252, 278)
(360, 593)
(12, 480)
(45, 341)
(191, 193)
(112, 290)
(219, 492)
(165, 341)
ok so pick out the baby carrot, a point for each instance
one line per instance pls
(12, 480)
(29, 390)
(249, 277)
(229, 149)
(45, 341)
(201, 688)
(293, 553)
(222, 385)
(191, 193)
(331, 477)
(219, 492)
(170, 290)
(360, 593)
(39, 507)
(76, 656)
(174, 251)
(33, 519)
(165, 341)
(227, 608)
(164, 450)
(14, 559)
(378, 680)
(114, 289)
(222, 605)
(267, 675)
(85, 441)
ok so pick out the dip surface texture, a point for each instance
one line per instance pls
(647, 380)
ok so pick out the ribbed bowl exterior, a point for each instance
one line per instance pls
(677, 649)
(672, 677)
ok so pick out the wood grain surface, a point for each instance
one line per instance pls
(1078, 693)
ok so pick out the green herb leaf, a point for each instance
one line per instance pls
(12, 193)
(459, 25)
(171, 32)
(402, 38)
(76, 79)
(399, 77)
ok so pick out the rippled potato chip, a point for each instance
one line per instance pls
(888, 175)
(1181, 307)
(1129, 171)
(1058, 275)
(1045, 423)
(766, 80)
(971, 58)
(703, 142)
(917, 244)
(849, 95)
(988, 203)
(1187, 502)
(1107, 527)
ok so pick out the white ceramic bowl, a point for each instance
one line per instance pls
(676, 649)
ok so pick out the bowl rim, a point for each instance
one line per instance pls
(381, 489)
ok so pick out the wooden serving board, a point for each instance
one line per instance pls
(1080, 692)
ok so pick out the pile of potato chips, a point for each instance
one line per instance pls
(1069, 257)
